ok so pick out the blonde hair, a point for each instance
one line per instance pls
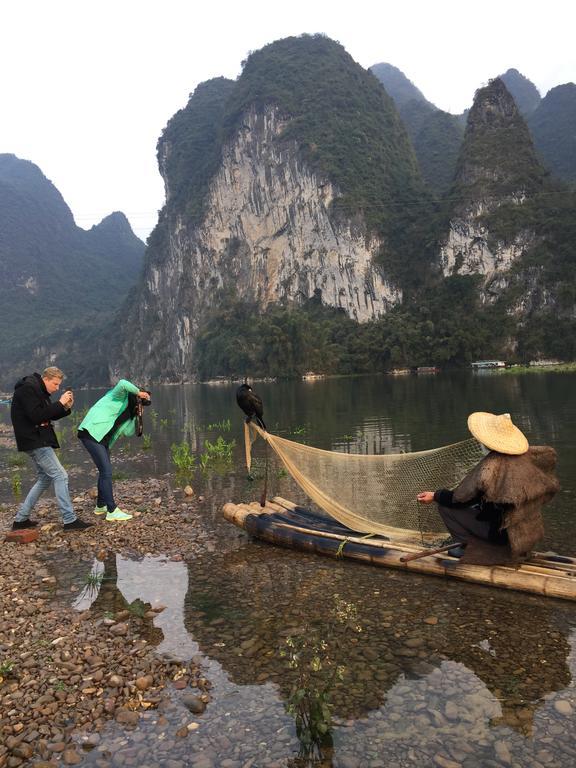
(52, 373)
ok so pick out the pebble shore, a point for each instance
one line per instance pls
(64, 674)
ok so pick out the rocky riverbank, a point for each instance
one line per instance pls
(63, 673)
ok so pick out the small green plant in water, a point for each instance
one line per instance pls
(225, 426)
(313, 658)
(94, 579)
(182, 457)
(219, 452)
(146, 442)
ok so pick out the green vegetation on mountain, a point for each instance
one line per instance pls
(190, 149)
(56, 280)
(437, 137)
(398, 86)
(497, 157)
(445, 323)
(346, 128)
(553, 126)
(448, 326)
(349, 131)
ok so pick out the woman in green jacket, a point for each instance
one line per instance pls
(112, 416)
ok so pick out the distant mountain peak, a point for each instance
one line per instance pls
(398, 86)
(553, 125)
(115, 222)
(523, 90)
(497, 156)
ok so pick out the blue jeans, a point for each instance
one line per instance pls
(101, 457)
(48, 471)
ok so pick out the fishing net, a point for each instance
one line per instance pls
(374, 494)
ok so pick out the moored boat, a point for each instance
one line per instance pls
(283, 523)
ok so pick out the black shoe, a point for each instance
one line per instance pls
(18, 526)
(77, 525)
(456, 551)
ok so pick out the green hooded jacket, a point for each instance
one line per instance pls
(101, 417)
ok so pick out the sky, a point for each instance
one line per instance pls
(87, 86)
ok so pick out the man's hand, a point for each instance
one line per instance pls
(426, 497)
(67, 399)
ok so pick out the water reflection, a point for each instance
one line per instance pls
(432, 661)
(408, 629)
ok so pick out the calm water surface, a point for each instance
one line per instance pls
(434, 673)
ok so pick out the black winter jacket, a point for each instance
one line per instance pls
(32, 412)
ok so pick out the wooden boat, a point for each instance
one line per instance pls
(284, 523)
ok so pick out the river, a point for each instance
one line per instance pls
(432, 673)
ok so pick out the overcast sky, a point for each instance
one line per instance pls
(88, 85)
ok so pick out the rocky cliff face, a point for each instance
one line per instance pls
(267, 235)
(268, 232)
(491, 177)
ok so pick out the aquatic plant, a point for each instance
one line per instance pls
(225, 425)
(94, 579)
(182, 457)
(146, 442)
(313, 658)
(219, 452)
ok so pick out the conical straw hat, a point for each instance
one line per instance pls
(497, 433)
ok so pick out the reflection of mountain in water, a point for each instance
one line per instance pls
(463, 646)
(242, 614)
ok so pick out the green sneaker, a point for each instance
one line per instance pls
(100, 510)
(118, 515)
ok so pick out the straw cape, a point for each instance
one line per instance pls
(521, 485)
(497, 433)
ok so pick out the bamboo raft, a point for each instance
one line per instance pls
(283, 523)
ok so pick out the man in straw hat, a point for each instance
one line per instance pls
(495, 511)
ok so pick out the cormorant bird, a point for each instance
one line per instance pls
(251, 404)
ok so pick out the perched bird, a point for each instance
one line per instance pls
(251, 404)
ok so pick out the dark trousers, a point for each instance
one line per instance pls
(101, 457)
(462, 524)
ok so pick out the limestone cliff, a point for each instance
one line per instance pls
(269, 236)
(268, 232)
(273, 199)
(497, 171)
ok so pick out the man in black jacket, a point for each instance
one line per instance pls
(32, 413)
